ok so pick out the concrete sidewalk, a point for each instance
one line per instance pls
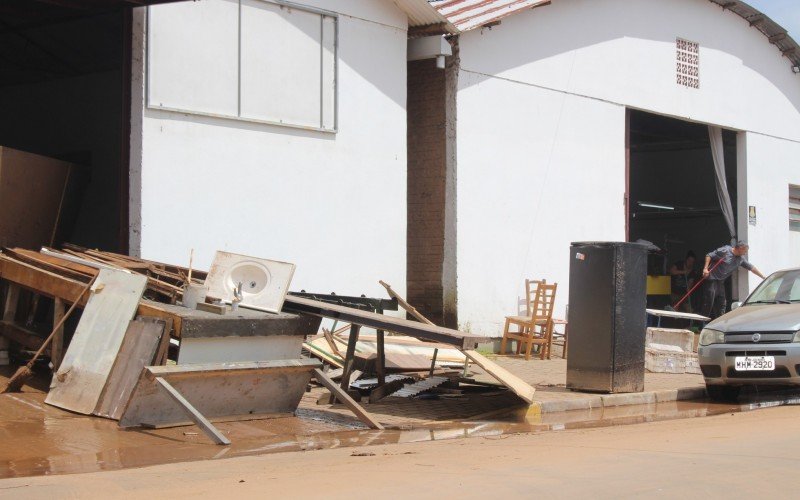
(549, 377)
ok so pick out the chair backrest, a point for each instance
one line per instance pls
(531, 287)
(543, 301)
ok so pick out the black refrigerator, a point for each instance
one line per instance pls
(607, 316)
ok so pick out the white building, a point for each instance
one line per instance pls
(568, 116)
(261, 127)
(300, 131)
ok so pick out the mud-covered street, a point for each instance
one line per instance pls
(735, 455)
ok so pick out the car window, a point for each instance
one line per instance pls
(794, 294)
(781, 286)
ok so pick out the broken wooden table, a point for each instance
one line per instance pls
(357, 318)
(363, 303)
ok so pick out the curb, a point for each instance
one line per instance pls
(613, 400)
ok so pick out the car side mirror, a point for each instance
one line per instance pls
(735, 305)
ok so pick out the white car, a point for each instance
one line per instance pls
(758, 342)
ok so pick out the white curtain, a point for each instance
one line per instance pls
(718, 153)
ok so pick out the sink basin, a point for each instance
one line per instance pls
(264, 282)
(253, 276)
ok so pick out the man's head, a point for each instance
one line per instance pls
(690, 258)
(741, 248)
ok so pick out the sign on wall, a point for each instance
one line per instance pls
(251, 60)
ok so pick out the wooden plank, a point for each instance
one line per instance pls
(139, 349)
(282, 366)
(195, 416)
(381, 322)
(508, 379)
(324, 356)
(163, 346)
(52, 285)
(405, 305)
(349, 358)
(10, 305)
(345, 398)
(678, 315)
(78, 384)
(57, 344)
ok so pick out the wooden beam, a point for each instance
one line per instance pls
(54, 286)
(57, 345)
(195, 416)
(405, 305)
(777, 37)
(349, 357)
(508, 379)
(345, 398)
(381, 322)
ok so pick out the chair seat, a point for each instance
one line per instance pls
(525, 319)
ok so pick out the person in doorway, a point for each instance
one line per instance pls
(684, 276)
(714, 299)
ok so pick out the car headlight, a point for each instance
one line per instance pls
(796, 337)
(709, 336)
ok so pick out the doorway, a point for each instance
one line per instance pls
(64, 94)
(672, 192)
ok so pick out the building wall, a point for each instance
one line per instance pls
(332, 203)
(541, 130)
(772, 164)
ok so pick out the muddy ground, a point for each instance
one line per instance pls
(731, 455)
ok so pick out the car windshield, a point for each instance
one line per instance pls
(779, 288)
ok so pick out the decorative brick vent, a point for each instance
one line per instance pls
(687, 55)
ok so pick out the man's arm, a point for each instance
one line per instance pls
(705, 266)
(750, 267)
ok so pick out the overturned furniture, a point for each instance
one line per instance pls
(196, 393)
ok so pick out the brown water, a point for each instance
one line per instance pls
(38, 439)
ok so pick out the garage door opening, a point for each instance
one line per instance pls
(64, 87)
(672, 194)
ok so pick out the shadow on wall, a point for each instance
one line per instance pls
(568, 25)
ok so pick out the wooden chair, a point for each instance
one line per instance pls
(559, 338)
(537, 327)
(524, 304)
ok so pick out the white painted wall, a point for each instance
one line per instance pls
(541, 131)
(772, 164)
(536, 170)
(334, 204)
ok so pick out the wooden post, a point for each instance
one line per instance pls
(357, 409)
(12, 299)
(349, 358)
(380, 359)
(9, 313)
(57, 346)
(195, 416)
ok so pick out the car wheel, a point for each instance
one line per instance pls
(723, 393)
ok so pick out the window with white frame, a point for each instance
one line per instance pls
(252, 60)
(794, 207)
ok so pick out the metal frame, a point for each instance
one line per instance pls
(239, 118)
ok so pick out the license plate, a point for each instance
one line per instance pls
(754, 363)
